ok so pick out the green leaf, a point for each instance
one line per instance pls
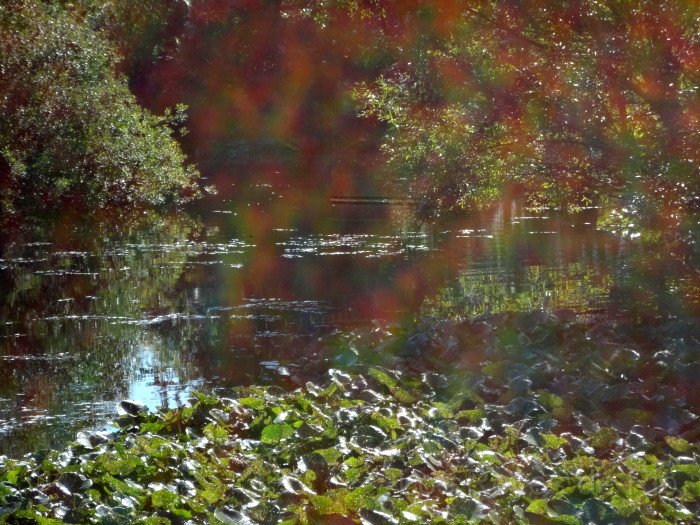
(691, 491)
(604, 438)
(164, 499)
(273, 434)
(331, 455)
(332, 502)
(217, 434)
(383, 378)
(362, 498)
(553, 441)
(537, 506)
(252, 402)
(691, 470)
(678, 444)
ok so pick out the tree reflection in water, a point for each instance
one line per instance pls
(161, 305)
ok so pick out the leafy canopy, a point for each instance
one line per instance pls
(70, 129)
(571, 103)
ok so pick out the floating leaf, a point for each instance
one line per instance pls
(273, 434)
(252, 402)
(129, 407)
(73, 482)
(678, 444)
(165, 499)
(383, 378)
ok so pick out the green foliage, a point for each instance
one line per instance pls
(572, 104)
(273, 434)
(142, 32)
(352, 451)
(70, 130)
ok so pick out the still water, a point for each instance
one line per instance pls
(238, 292)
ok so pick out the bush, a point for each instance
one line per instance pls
(70, 129)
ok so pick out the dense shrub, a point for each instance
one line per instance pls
(70, 129)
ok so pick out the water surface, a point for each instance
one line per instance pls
(245, 292)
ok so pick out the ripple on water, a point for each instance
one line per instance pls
(63, 356)
(365, 245)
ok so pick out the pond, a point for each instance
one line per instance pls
(244, 290)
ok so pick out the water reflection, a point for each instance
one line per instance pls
(153, 308)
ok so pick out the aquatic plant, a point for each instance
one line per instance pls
(530, 435)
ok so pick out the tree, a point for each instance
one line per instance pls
(70, 129)
(570, 103)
